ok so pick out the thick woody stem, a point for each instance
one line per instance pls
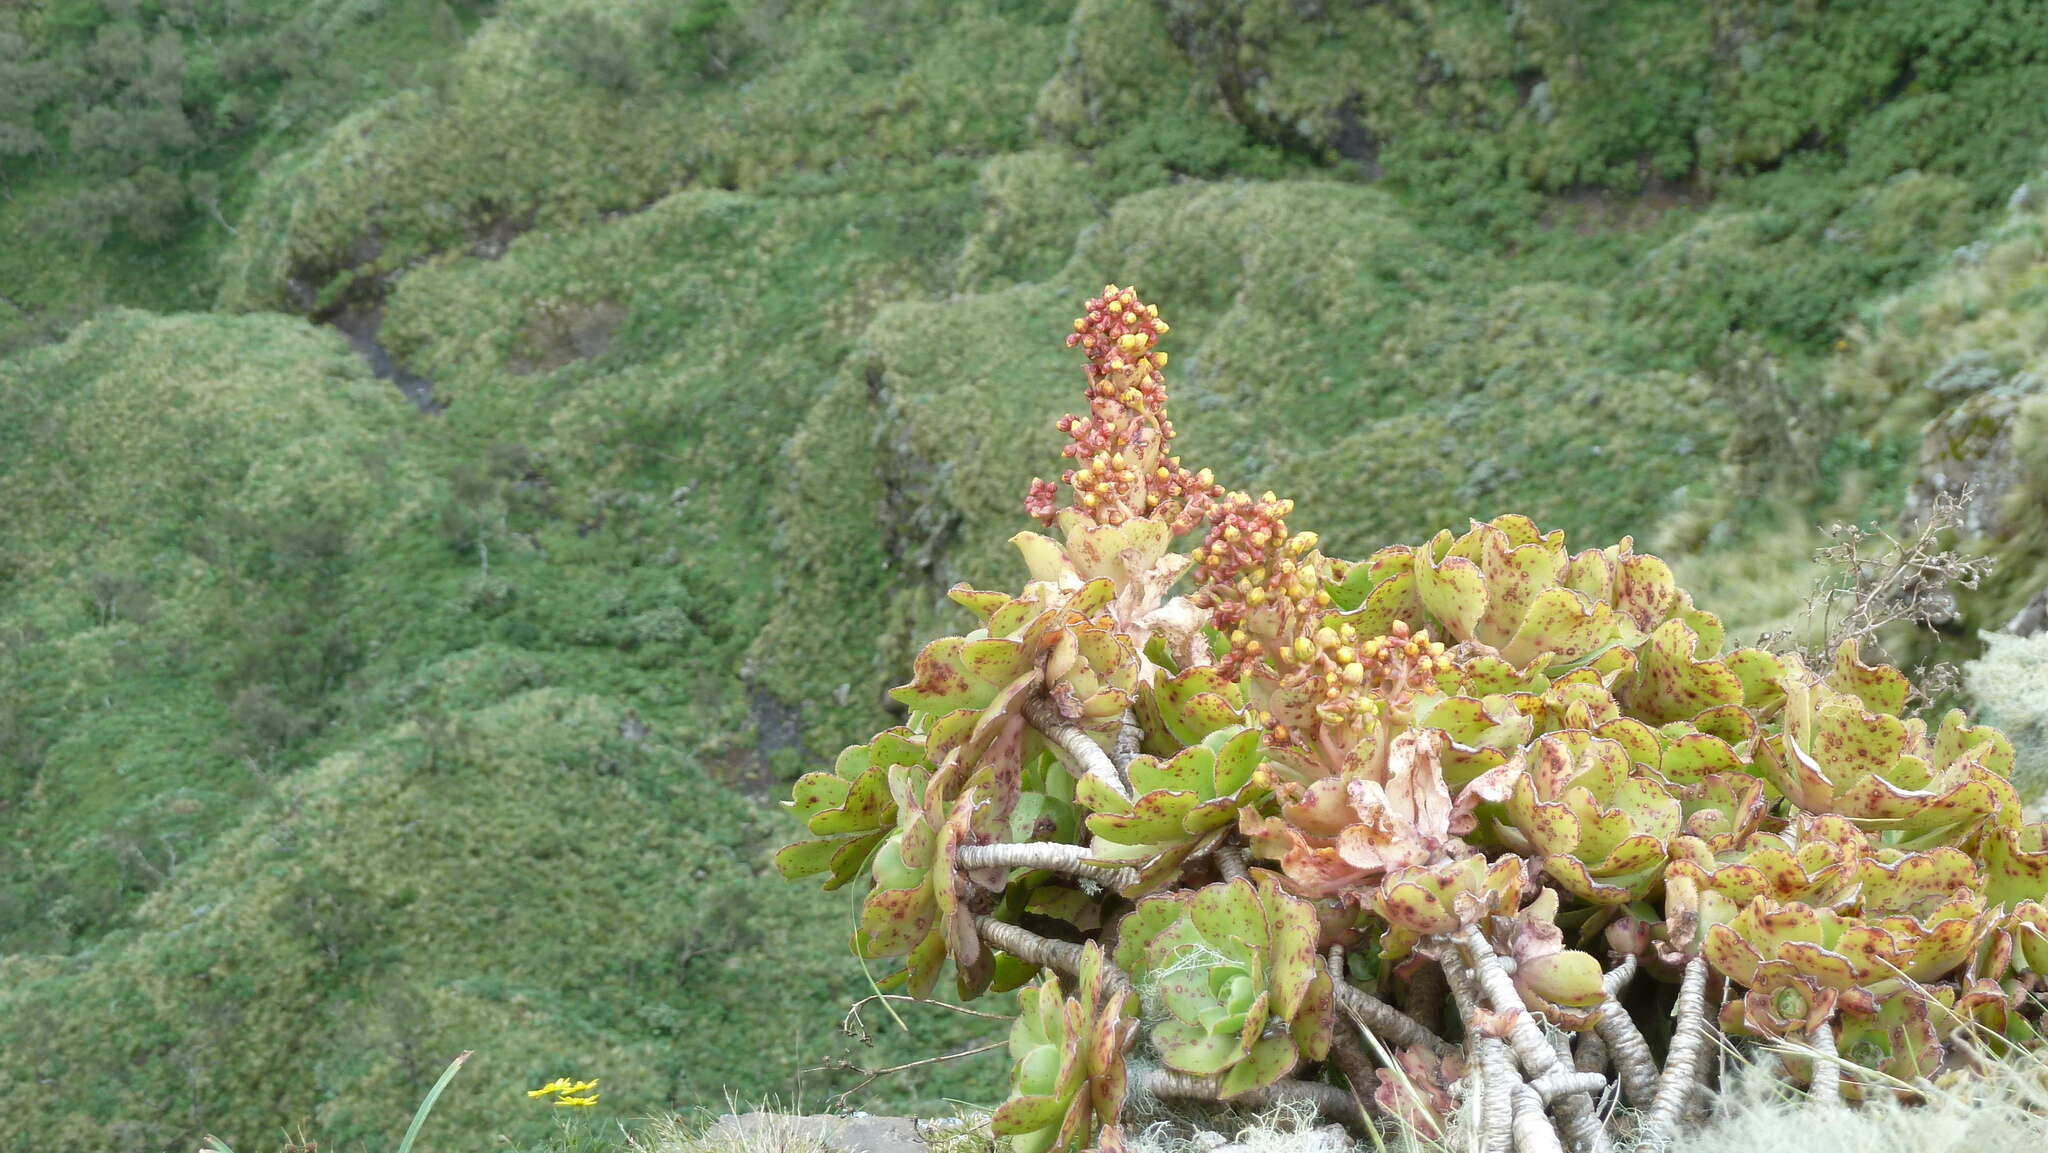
(1328, 1100)
(1532, 1050)
(1068, 859)
(1082, 755)
(1827, 1066)
(1581, 1123)
(1384, 1021)
(1634, 1067)
(1421, 997)
(1614, 980)
(1592, 1054)
(1681, 1067)
(1044, 952)
(1128, 738)
(1497, 1082)
(1532, 1128)
(1564, 1083)
(1230, 862)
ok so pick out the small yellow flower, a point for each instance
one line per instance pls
(576, 1094)
(557, 1085)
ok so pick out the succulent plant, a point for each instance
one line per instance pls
(1515, 592)
(1459, 758)
(1781, 1003)
(1183, 802)
(1178, 709)
(1601, 829)
(849, 809)
(1338, 835)
(1067, 1074)
(1562, 984)
(2015, 862)
(1891, 1033)
(920, 908)
(1882, 771)
(1052, 641)
(1439, 899)
(1841, 950)
(1232, 969)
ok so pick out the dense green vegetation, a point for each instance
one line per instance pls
(742, 324)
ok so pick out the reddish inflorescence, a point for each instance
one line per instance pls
(1121, 446)
(1262, 586)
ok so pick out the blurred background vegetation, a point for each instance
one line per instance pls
(458, 459)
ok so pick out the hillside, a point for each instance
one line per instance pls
(736, 327)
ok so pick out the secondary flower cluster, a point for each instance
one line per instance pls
(1484, 778)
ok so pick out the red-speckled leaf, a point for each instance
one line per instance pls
(1882, 689)
(1192, 1049)
(894, 920)
(865, 806)
(1294, 963)
(1695, 756)
(980, 603)
(1454, 593)
(938, 684)
(805, 858)
(1270, 1059)
(1644, 590)
(1561, 624)
(1732, 723)
(1639, 739)
(1026, 1115)
(1670, 685)
(1982, 744)
(1567, 977)
(1143, 925)
(1761, 674)
(1516, 575)
(1229, 917)
(852, 858)
(1592, 572)
(1393, 599)
(2016, 865)
(816, 793)
(1156, 817)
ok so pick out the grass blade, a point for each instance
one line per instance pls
(427, 1106)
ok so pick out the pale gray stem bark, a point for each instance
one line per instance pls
(1532, 1128)
(1681, 1068)
(1046, 953)
(1634, 1067)
(1375, 1016)
(1592, 1054)
(1128, 739)
(1068, 859)
(1614, 980)
(1827, 1066)
(1230, 863)
(1581, 1123)
(1497, 1081)
(1563, 1083)
(1077, 749)
(1532, 1049)
(1328, 1100)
